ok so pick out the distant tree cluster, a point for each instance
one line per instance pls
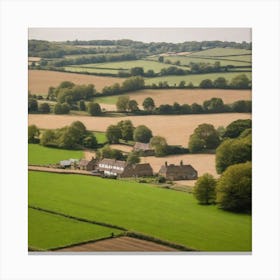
(107, 152)
(130, 84)
(238, 82)
(94, 59)
(74, 136)
(214, 105)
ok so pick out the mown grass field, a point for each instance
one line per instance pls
(48, 231)
(100, 136)
(38, 154)
(126, 65)
(79, 69)
(222, 52)
(186, 60)
(166, 214)
(195, 78)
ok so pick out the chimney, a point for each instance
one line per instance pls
(181, 163)
(166, 163)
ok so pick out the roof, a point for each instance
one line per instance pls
(113, 165)
(176, 168)
(142, 166)
(142, 146)
(83, 162)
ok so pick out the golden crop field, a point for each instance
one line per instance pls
(176, 129)
(39, 81)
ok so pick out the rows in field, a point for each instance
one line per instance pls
(165, 214)
(119, 244)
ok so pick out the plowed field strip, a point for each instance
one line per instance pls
(119, 244)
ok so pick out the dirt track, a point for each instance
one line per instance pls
(119, 244)
(176, 129)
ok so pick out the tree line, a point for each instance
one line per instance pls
(214, 105)
(233, 190)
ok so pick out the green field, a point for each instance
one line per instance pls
(166, 214)
(186, 60)
(38, 154)
(48, 231)
(195, 79)
(78, 69)
(101, 137)
(222, 52)
(124, 65)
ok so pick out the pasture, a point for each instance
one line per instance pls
(219, 52)
(165, 214)
(41, 155)
(78, 69)
(193, 78)
(127, 65)
(186, 60)
(181, 96)
(39, 81)
(180, 127)
(48, 231)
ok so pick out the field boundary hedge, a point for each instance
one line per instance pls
(158, 241)
(77, 218)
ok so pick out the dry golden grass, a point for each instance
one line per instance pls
(123, 148)
(39, 81)
(176, 129)
(189, 96)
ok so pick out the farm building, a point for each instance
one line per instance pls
(87, 164)
(178, 172)
(112, 167)
(145, 149)
(68, 163)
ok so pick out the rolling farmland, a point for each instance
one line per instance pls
(47, 231)
(38, 154)
(127, 65)
(181, 96)
(193, 78)
(182, 126)
(39, 81)
(128, 204)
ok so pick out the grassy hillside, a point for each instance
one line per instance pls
(38, 154)
(165, 214)
(222, 52)
(195, 79)
(126, 65)
(47, 231)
